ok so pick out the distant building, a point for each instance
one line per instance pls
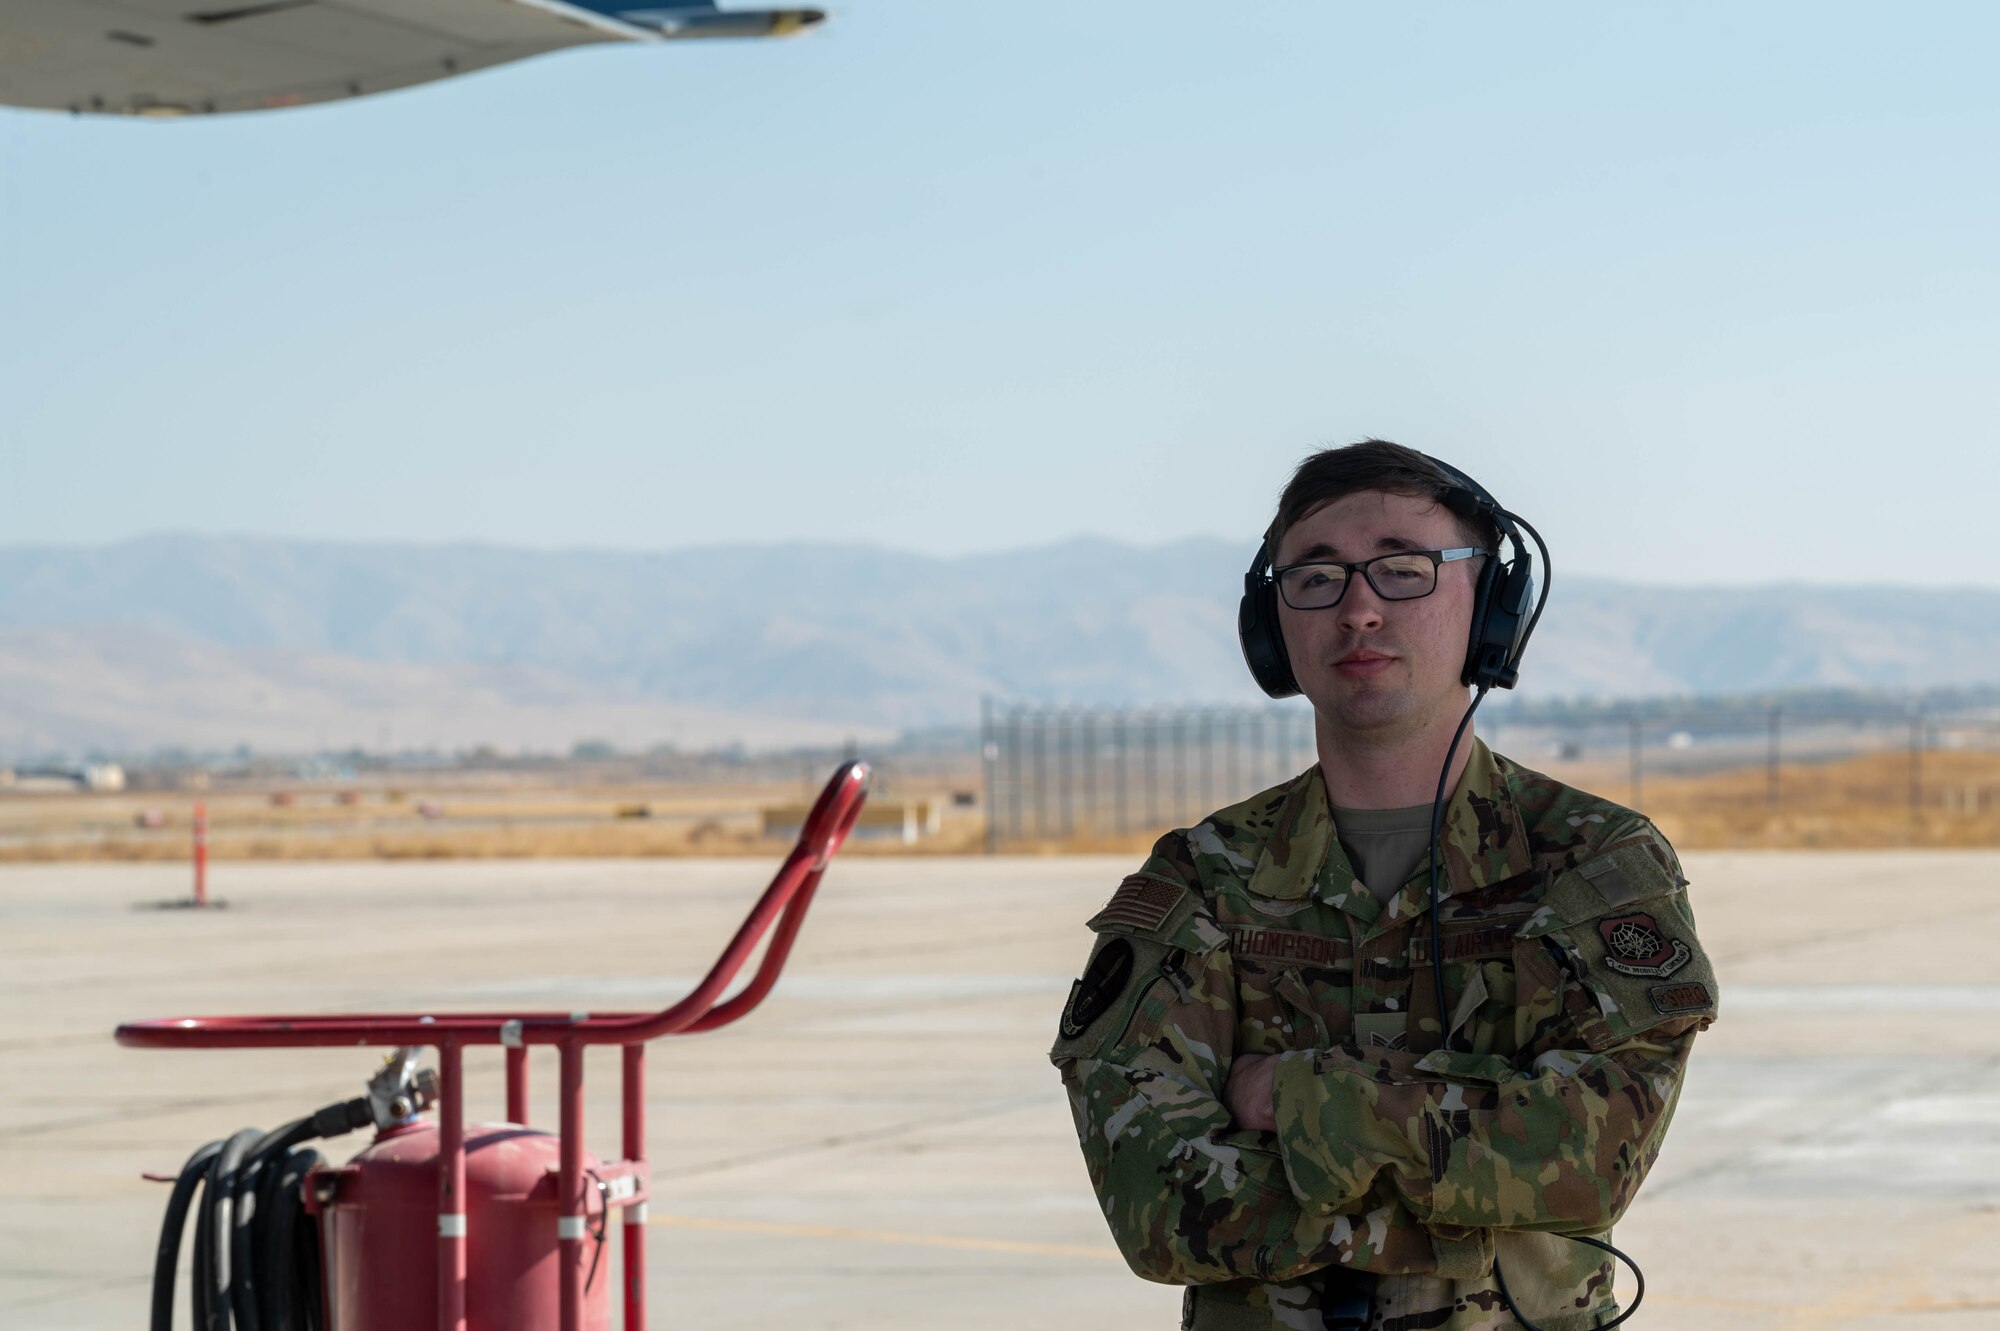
(909, 821)
(99, 777)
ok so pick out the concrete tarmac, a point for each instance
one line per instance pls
(883, 1145)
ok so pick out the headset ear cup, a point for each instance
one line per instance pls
(1499, 623)
(1509, 622)
(1264, 642)
(1476, 656)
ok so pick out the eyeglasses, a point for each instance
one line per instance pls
(1403, 576)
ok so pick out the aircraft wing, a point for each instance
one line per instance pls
(181, 57)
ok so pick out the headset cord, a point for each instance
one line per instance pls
(1437, 979)
(1638, 1285)
(1437, 937)
(1436, 845)
(1444, 773)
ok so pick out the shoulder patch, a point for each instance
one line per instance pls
(1140, 903)
(1609, 879)
(1626, 877)
(1636, 945)
(1625, 961)
(1110, 971)
(1157, 908)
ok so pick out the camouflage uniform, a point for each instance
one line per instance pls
(1576, 987)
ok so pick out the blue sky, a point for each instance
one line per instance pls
(1708, 292)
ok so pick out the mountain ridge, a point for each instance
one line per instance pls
(852, 635)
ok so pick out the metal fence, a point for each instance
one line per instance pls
(1074, 774)
(1667, 741)
(1070, 773)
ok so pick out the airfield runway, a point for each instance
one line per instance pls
(883, 1145)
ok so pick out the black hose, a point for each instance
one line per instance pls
(168, 1256)
(218, 1210)
(256, 1264)
(255, 1207)
(243, 1216)
(273, 1234)
(288, 1296)
(203, 1259)
(603, 1226)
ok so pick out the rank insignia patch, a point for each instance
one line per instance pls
(1098, 989)
(1634, 945)
(1382, 1030)
(1672, 999)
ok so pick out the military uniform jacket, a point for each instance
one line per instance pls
(1413, 1145)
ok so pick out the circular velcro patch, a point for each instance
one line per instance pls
(1108, 974)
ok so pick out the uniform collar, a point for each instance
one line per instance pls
(1301, 835)
(1484, 841)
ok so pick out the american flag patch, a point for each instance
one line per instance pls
(1140, 903)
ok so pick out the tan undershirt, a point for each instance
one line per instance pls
(1385, 846)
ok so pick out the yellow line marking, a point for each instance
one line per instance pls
(884, 1236)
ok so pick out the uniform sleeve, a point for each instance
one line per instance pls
(1558, 1139)
(1189, 1199)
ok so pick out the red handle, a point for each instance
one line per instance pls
(784, 903)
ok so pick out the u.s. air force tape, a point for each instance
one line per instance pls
(1102, 982)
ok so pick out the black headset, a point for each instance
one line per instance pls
(1504, 608)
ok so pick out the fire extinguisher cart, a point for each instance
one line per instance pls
(621, 1183)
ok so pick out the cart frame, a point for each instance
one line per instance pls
(780, 911)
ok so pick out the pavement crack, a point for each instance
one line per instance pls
(888, 1132)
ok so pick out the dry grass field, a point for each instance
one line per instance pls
(1848, 804)
(472, 817)
(1855, 803)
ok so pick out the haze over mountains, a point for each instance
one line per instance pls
(208, 642)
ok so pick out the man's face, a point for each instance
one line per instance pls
(1377, 669)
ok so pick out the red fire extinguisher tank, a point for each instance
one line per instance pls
(380, 1232)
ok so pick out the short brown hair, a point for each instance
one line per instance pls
(1372, 464)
